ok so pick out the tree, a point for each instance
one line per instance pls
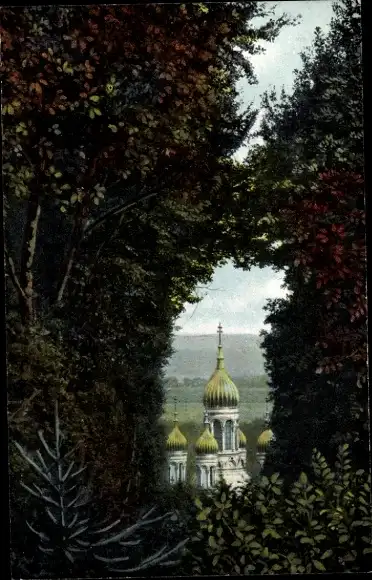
(119, 123)
(104, 108)
(308, 183)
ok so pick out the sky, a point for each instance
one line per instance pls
(235, 297)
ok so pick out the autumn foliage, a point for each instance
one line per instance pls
(328, 229)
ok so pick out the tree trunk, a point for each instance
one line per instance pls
(26, 279)
(73, 247)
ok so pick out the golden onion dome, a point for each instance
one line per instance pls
(242, 439)
(264, 440)
(220, 391)
(206, 443)
(176, 440)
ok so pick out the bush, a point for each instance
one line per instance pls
(70, 540)
(322, 524)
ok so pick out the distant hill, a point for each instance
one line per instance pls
(195, 355)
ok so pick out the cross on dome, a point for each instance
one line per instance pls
(175, 410)
(267, 412)
(219, 332)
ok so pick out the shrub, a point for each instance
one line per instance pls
(322, 524)
(70, 540)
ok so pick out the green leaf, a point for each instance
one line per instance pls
(212, 542)
(319, 566)
(274, 477)
(326, 554)
(62, 208)
(95, 98)
(113, 128)
(215, 560)
(306, 540)
(91, 113)
(303, 478)
(198, 503)
(276, 567)
(344, 538)
(58, 174)
(236, 544)
(264, 481)
(97, 111)
(73, 198)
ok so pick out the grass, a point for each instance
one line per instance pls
(253, 392)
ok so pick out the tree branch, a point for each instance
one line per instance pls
(75, 240)
(12, 273)
(24, 404)
(27, 257)
(80, 230)
(117, 210)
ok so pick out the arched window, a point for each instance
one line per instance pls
(205, 477)
(169, 474)
(181, 477)
(228, 435)
(173, 473)
(198, 476)
(212, 475)
(217, 431)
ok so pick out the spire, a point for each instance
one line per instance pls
(175, 415)
(176, 440)
(220, 357)
(206, 419)
(220, 390)
(267, 413)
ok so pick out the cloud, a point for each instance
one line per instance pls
(237, 302)
(238, 297)
(274, 68)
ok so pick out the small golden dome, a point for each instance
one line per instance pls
(242, 439)
(206, 443)
(220, 391)
(176, 440)
(264, 440)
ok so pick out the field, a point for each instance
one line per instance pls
(189, 394)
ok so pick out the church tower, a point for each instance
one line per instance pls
(265, 438)
(221, 401)
(176, 449)
(206, 460)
